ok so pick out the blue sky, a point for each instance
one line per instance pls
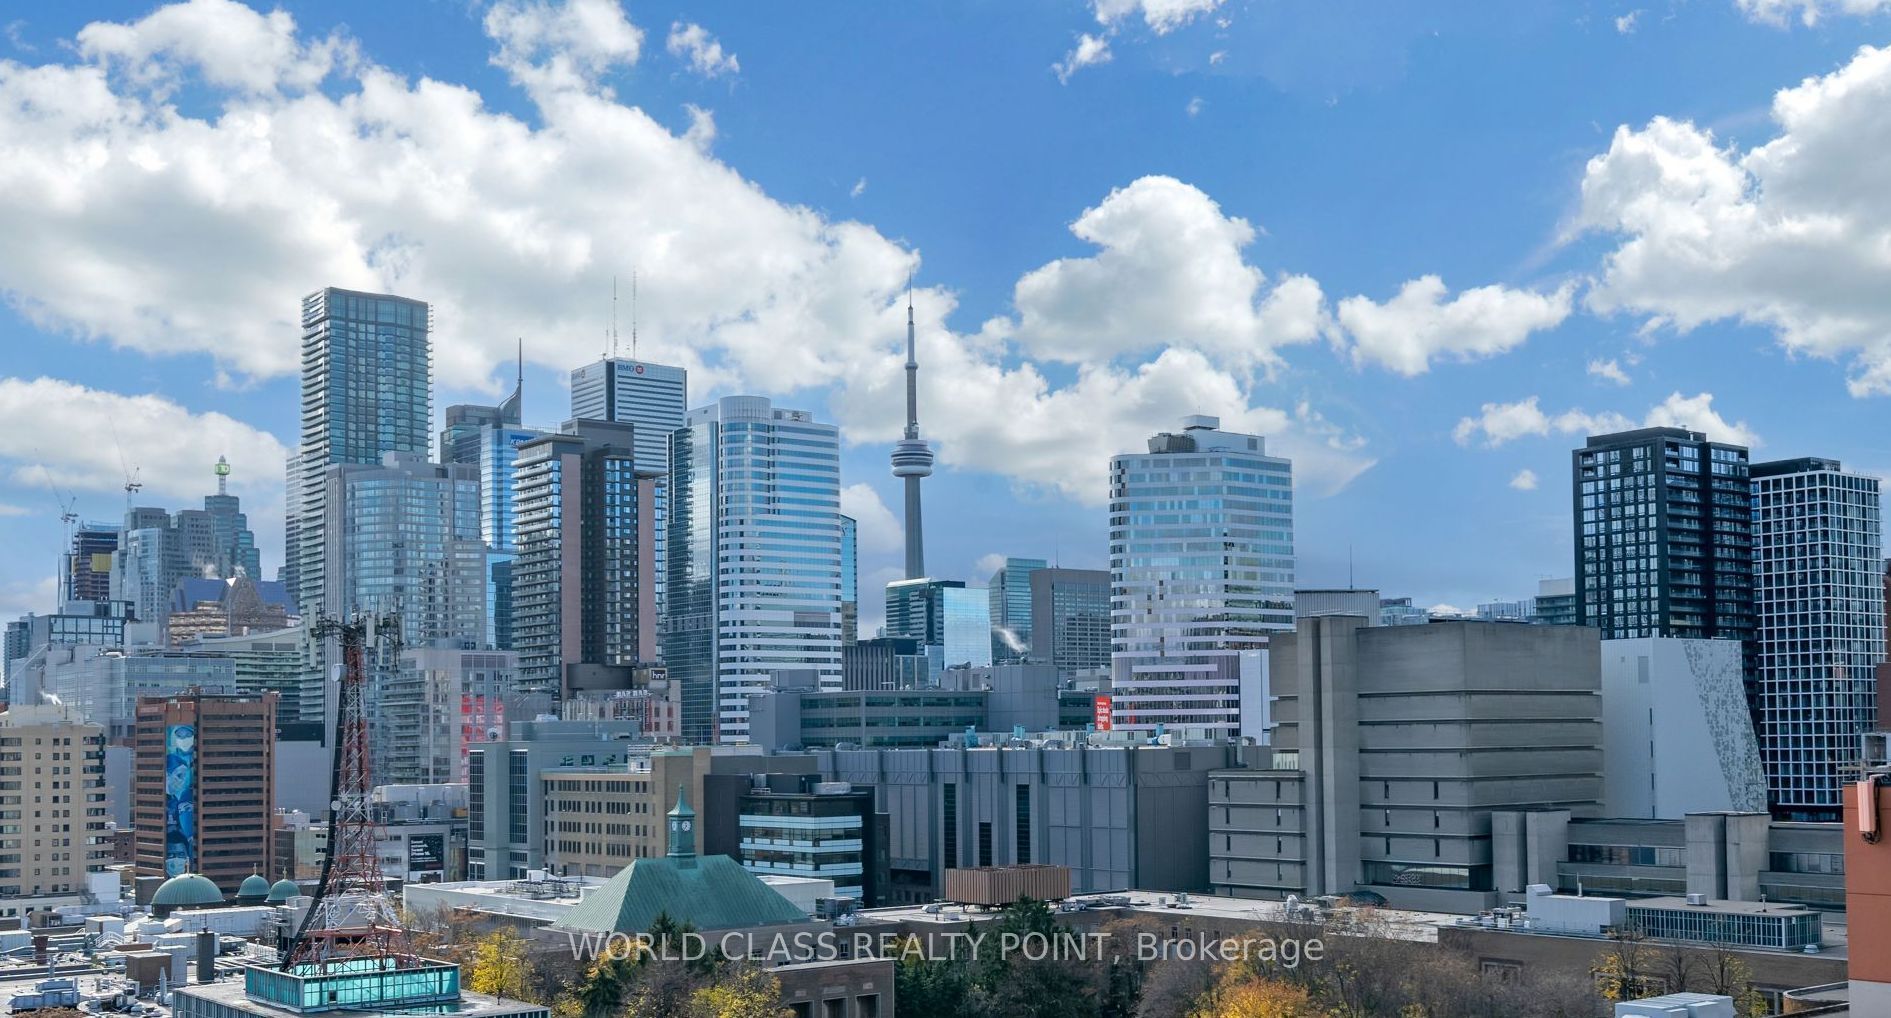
(1238, 211)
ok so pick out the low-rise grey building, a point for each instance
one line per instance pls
(1725, 856)
(1119, 812)
(505, 811)
(1394, 746)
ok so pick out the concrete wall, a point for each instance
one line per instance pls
(1678, 735)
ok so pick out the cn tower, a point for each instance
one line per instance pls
(912, 457)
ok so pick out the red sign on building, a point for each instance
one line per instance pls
(1103, 714)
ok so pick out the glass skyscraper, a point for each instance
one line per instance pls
(916, 608)
(966, 621)
(583, 582)
(849, 581)
(1010, 596)
(1819, 607)
(367, 375)
(489, 437)
(754, 558)
(1663, 536)
(649, 397)
(403, 536)
(156, 549)
(1201, 571)
(1070, 619)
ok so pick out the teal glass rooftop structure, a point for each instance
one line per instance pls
(361, 984)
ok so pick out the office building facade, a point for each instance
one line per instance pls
(489, 438)
(1201, 570)
(156, 550)
(1009, 592)
(1070, 619)
(754, 557)
(584, 582)
(1663, 536)
(88, 572)
(1817, 594)
(849, 581)
(54, 796)
(1120, 816)
(915, 608)
(202, 781)
(651, 398)
(403, 536)
(1393, 747)
(367, 378)
(889, 662)
(966, 632)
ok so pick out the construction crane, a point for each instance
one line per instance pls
(132, 484)
(68, 518)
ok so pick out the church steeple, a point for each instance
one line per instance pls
(682, 827)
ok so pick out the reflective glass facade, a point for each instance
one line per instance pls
(967, 637)
(1010, 596)
(582, 581)
(1201, 569)
(754, 557)
(1819, 605)
(367, 375)
(1663, 536)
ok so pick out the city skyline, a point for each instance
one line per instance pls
(1417, 389)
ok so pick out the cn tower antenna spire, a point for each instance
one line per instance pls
(912, 457)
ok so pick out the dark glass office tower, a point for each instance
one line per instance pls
(1664, 541)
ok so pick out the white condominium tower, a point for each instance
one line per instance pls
(754, 558)
(1201, 571)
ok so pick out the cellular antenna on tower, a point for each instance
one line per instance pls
(633, 314)
(613, 317)
(352, 924)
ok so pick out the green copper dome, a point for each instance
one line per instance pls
(254, 887)
(282, 890)
(185, 890)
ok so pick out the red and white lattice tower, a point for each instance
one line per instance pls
(352, 917)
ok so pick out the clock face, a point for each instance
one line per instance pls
(685, 825)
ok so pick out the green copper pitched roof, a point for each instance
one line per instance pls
(713, 892)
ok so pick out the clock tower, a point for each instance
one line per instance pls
(682, 827)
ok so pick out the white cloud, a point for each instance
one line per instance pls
(878, 530)
(1170, 273)
(1195, 106)
(1419, 325)
(694, 43)
(554, 45)
(859, 188)
(1089, 51)
(39, 596)
(1061, 439)
(83, 440)
(75, 436)
(1610, 370)
(226, 43)
(1217, 57)
(1162, 16)
(516, 229)
(1499, 423)
(988, 564)
(1525, 480)
(1808, 12)
(1627, 22)
(12, 510)
(1791, 235)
